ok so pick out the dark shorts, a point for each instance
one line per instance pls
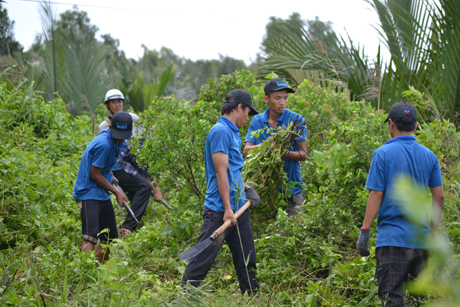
(395, 267)
(97, 215)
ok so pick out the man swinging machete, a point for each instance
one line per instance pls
(133, 179)
(92, 188)
(225, 193)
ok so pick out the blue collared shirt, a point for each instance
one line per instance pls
(402, 155)
(103, 153)
(224, 137)
(291, 167)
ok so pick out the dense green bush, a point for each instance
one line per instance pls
(308, 260)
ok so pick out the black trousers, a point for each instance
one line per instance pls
(137, 189)
(395, 267)
(199, 266)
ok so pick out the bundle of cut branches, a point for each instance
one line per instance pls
(264, 167)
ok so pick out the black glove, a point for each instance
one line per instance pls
(363, 242)
(252, 195)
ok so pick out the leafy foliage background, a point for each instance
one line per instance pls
(309, 260)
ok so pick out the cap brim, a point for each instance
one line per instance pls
(122, 135)
(253, 111)
(115, 97)
(386, 120)
(281, 88)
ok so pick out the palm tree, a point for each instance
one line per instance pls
(421, 37)
(140, 92)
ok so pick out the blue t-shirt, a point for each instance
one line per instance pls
(291, 167)
(117, 166)
(224, 137)
(103, 153)
(402, 155)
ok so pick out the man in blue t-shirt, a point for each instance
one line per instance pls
(92, 188)
(402, 247)
(132, 179)
(225, 193)
(276, 115)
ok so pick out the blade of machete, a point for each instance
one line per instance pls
(130, 211)
(195, 250)
(127, 207)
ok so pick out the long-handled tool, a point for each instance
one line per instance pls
(125, 204)
(163, 202)
(195, 250)
(128, 208)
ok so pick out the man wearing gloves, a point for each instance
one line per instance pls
(225, 193)
(402, 247)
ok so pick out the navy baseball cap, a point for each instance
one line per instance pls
(243, 97)
(277, 84)
(122, 125)
(402, 111)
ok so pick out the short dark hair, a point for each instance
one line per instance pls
(228, 107)
(405, 124)
(269, 94)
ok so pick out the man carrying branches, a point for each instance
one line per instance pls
(225, 193)
(277, 115)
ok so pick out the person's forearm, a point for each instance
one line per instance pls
(296, 155)
(438, 207)
(152, 184)
(373, 205)
(155, 189)
(224, 189)
(101, 181)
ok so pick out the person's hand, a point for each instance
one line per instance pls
(252, 195)
(229, 216)
(121, 198)
(157, 196)
(363, 242)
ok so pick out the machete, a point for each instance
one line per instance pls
(163, 202)
(195, 250)
(125, 204)
(128, 208)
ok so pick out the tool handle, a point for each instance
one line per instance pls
(128, 208)
(224, 227)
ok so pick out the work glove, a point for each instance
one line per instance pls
(252, 195)
(363, 242)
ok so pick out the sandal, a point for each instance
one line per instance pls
(127, 231)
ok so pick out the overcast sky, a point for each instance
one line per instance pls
(200, 29)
